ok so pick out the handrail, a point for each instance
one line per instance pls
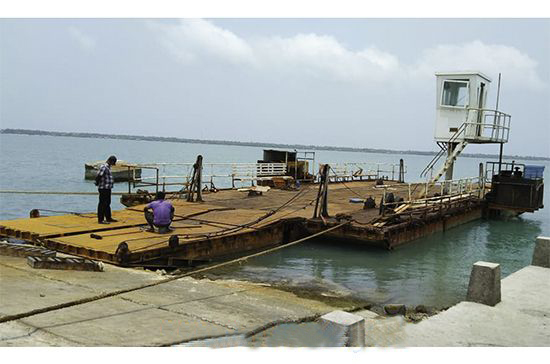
(453, 138)
(470, 186)
(473, 131)
(369, 169)
(432, 163)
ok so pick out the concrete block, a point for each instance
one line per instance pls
(541, 255)
(64, 263)
(23, 250)
(350, 326)
(484, 286)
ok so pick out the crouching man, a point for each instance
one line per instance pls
(162, 214)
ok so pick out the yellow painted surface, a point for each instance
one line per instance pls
(217, 212)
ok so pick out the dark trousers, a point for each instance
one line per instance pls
(104, 206)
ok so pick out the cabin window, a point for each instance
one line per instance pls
(455, 94)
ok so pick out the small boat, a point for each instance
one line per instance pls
(122, 171)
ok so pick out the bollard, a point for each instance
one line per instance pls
(541, 255)
(484, 286)
(349, 325)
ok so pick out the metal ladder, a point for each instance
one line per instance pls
(450, 158)
(433, 162)
(449, 161)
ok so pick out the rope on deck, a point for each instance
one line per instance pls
(18, 316)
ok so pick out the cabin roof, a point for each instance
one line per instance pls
(464, 73)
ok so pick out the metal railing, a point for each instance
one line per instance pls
(352, 171)
(223, 174)
(487, 125)
(481, 126)
(443, 192)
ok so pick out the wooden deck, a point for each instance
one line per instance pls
(228, 222)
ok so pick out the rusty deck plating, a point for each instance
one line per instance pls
(230, 223)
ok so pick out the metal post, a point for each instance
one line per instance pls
(426, 190)
(199, 179)
(383, 202)
(129, 186)
(157, 184)
(321, 202)
(500, 158)
(481, 183)
(324, 212)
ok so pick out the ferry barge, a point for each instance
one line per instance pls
(283, 200)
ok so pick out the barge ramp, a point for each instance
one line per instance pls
(189, 310)
(231, 222)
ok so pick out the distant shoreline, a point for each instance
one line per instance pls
(249, 144)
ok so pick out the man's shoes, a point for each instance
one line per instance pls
(104, 222)
(112, 220)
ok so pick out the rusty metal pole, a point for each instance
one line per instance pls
(191, 184)
(129, 186)
(199, 179)
(321, 202)
(324, 212)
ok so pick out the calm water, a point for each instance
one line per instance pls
(432, 271)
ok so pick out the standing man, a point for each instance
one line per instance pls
(162, 214)
(104, 182)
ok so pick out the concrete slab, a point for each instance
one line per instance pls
(246, 311)
(522, 318)
(117, 322)
(22, 291)
(182, 310)
(16, 333)
(382, 331)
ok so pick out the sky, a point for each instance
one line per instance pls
(366, 83)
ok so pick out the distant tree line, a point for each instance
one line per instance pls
(248, 144)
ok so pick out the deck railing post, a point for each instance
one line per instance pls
(157, 180)
(383, 203)
(129, 185)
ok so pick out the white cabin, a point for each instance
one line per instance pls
(458, 95)
(462, 118)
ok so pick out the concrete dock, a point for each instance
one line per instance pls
(199, 312)
(167, 314)
(522, 318)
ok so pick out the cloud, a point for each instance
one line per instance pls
(323, 56)
(192, 38)
(86, 42)
(517, 68)
(318, 55)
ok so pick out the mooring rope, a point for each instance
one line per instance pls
(226, 231)
(80, 214)
(167, 280)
